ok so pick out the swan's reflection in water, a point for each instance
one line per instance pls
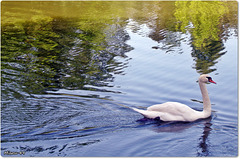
(180, 127)
(203, 145)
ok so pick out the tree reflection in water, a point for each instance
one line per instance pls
(202, 20)
(51, 53)
(38, 46)
(206, 58)
(206, 23)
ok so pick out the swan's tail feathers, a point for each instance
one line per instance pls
(139, 111)
(146, 113)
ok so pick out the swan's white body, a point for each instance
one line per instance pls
(174, 111)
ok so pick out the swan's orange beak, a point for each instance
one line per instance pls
(210, 80)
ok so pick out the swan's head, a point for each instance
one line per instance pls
(205, 79)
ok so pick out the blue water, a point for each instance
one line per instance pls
(97, 121)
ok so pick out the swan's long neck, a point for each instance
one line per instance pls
(206, 100)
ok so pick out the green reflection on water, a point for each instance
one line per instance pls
(48, 45)
(206, 21)
(203, 18)
(41, 51)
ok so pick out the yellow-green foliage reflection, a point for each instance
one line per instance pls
(206, 21)
(202, 19)
(71, 44)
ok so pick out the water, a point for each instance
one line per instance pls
(70, 73)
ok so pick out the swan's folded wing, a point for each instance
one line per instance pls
(174, 111)
(169, 107)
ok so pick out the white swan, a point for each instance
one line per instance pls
(174, 111)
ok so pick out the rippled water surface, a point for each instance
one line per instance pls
(71, 70)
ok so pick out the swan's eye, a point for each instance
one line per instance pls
(209, 79)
